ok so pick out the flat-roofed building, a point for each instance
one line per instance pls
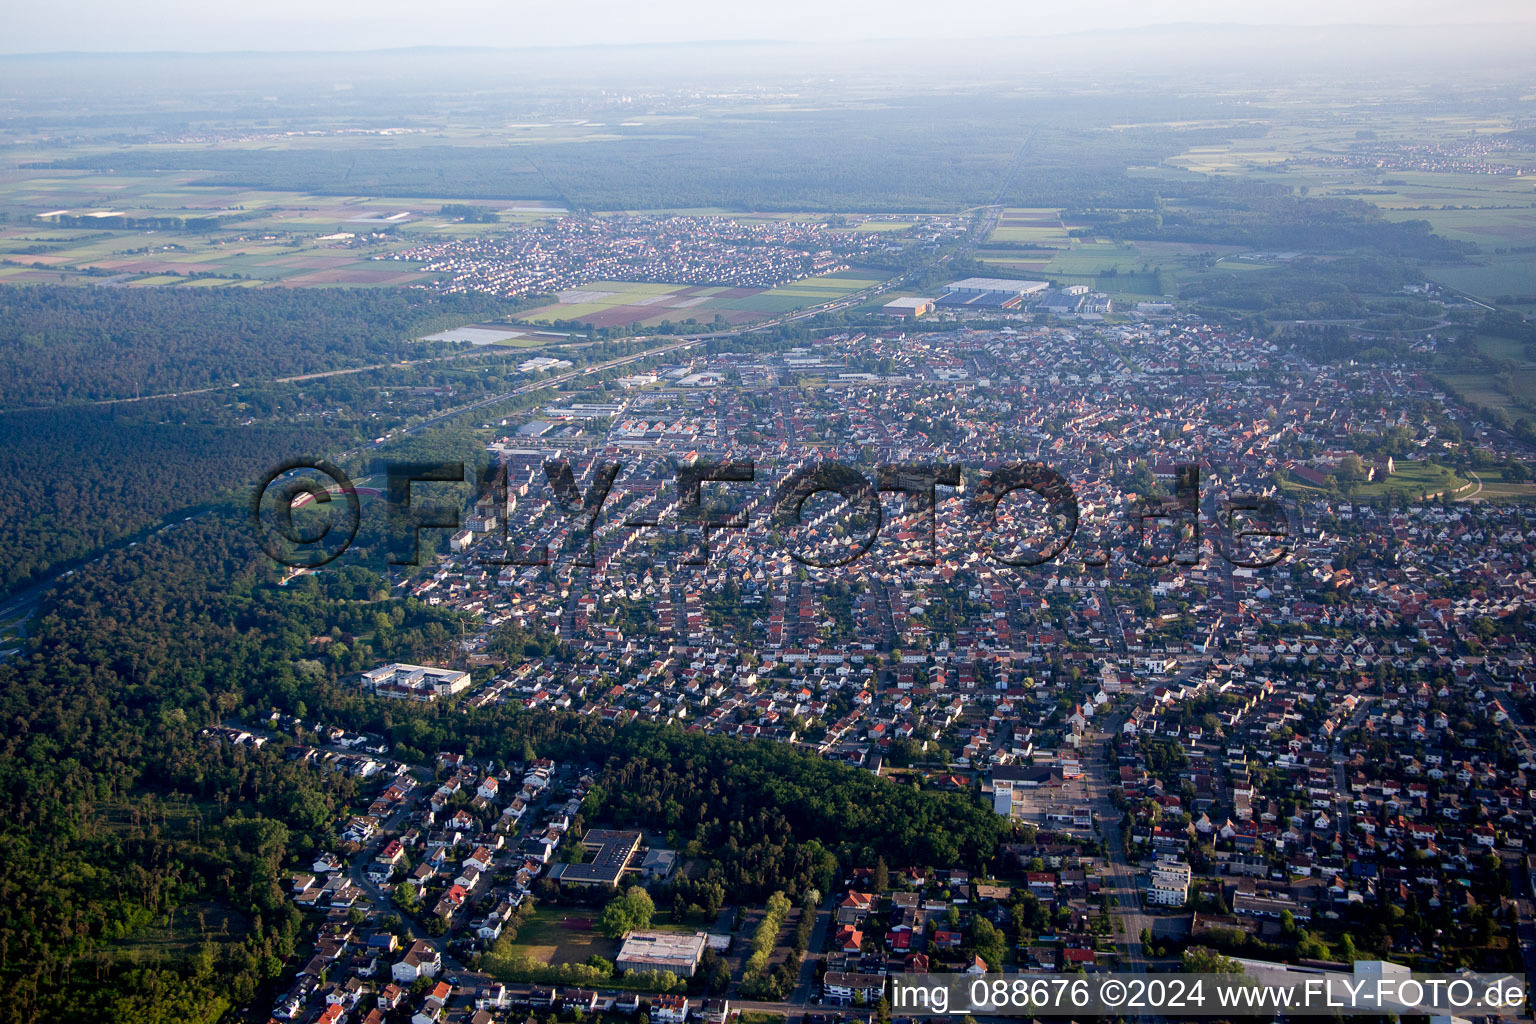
(678, 952)
(846, 987)
(1169, 885)
(611, 852)
(414, 682)
(990, 291)
(908, 306)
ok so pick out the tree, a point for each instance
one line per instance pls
(989, 943)
(627, 912)
(882, 877)
(1202, 960)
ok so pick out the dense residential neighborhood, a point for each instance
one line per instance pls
(1188, 749)
(727, 514)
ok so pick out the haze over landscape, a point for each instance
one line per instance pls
(97, 25)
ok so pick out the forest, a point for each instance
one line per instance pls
(70, 484)
(64, 344)
(910, 153)
(121, 827)
(120, 824)
(1269, 218)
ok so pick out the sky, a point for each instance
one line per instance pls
(33, 26)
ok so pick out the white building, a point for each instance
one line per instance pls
(414, 682)
(973, 286)
(1169, 886)
(421, 961)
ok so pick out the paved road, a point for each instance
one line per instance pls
(813, 955)
(1121, 880)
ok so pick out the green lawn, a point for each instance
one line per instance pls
(1498, 487)
(564, 935)
(1411, 479)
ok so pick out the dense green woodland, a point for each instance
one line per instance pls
(71, 483)
(70, 344)
(911, 153)
(119, 825)
(1268, 217)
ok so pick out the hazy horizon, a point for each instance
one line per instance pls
(179, 26)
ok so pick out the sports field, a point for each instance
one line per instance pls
(560, 935)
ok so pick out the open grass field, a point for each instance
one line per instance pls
(621, 303)
(1125, 270)
(1410, 480)
(1496, 486)
(1483, 387)
(564, 935)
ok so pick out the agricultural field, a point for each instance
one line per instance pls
(1507, 278)
(1509, 388)
(1030, 226)
(79, 227)
(1495, 212)
(129, 230)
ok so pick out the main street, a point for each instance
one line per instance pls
(1121, 884)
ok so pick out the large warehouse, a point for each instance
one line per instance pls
(990, 292)
(677, 952)
(908, 305)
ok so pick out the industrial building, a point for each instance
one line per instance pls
(662, 951)
(414, 682)
(990, 293)
(907, 306)
(1076, 298)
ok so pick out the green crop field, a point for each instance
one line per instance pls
(1491, 277)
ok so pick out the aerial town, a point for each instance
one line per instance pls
(1194, 753)
(743, 514)
(576, 251)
